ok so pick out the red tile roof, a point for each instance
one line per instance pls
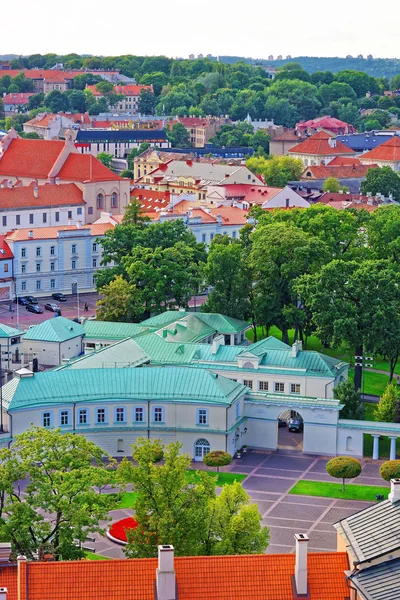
(49, 233)
(231, 215)
(388, 151)
(78, 117)
(254, 194)
(5, 252)
(344, 161)
(152, 201)
(17, 99)
(326, 122)
(319, 144)
(345, 172)
(48, 195)
(85, 167)
(253, 577)
(42, 120)
(289, 136)
(30, 158)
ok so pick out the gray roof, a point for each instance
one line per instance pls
(125, 353)
(360, 142)
(379, 582)
(354, 184)
(373, 532)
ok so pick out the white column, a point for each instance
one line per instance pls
(392, 448)
(375, 453)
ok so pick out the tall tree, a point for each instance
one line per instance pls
(179, 136)
(121, 301)
(351, 399)
(134, 214)
(105, 158)
(146, 102)
(386, 410)
(382, 181)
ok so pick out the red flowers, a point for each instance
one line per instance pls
(119, 528)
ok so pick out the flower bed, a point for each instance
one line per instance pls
(117, 531)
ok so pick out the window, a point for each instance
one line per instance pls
(38, 284)
(114, 200)
(120, 445)
(64, 417)
(100, 200)
(70, 214)
(158, 415)
(263, 386)
(79, 210)
(17, 220)
(237, 410)
(46, 419)
(73, 249)
(6, 268)
(90, 210)
(23, 286)
(82, 416)
(202, 416)
(279, 387)
(44, 217)
(52, 250)
(234, 234)
(38, 251)
(101, 415)
(120, 415)
(94, 263)
(73, 264)
(31, 218)
(57, 216)
(52, 283)
(23, 252)
(94, 247)
(52, 266)
(295, 388)
(211, 236)
(201, 448)
(138, 415)
(249, 383)
(203, 238)
(38, 267)
(4, 221)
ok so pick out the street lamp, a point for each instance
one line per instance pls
(77, 294)
(363, 362)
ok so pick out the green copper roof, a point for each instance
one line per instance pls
(56, 329)
(108, 330)
(112, 385)
(189, 329)
(9, 332)
(165, 318)
(125, 353)
(215, 321)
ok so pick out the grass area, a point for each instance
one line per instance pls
(128, 500)
(374, 383)
(384, 446)
(93, 556)
(369, 411)
(334, 490)
(223, 478)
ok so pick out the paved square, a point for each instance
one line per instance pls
(268, 484)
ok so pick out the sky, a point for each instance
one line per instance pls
(178, 28)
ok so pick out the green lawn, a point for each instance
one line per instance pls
(369, 411)
(334, 490)
(128, 500)
(374, 383)
(92, 556)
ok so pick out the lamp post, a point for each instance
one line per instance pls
(363, 362)
(77, 295)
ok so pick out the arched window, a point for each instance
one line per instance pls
(114, 200)
(248, 365)
(100, 200)
(120, 445)
(349, 442)
(201, 448)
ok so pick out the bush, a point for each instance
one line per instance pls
(343, 467)
(390, 470)
(217, 458)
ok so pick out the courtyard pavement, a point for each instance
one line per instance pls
(270, 476)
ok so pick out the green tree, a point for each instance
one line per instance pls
(372, 124)
(332, 185)
(386, 410)
(105, 158)
(146, 102)
(343, 467)
(217, 458)
(179, 136)
(134, 214)
(382, 181)
(277, 170)
(35, 101)
(56, 101)
(390, 470)
(104, 87)
(61, 504)
(351, 399)
(121, 301)
(127, 174)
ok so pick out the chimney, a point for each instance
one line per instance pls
(5, 551)
(30, 233)
(394, 495)
(332, 142)
(165, 588)
(36, 191)
(3, 593)
(9, 183)
(21, 575)
(300, 569)
(218, 341)
(296, 347)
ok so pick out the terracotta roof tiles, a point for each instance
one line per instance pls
(318, 144)
(340, 172)
(85, 167)
(388, 151)
(30, 158)
(47, 195)
(49, 233)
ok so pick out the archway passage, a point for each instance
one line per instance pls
(290, 431)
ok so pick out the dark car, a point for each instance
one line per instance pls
(34, 308)
(32, 299)
(21, 300)
(60, 297)
(282, 423)
(296, 425)
(52, 307)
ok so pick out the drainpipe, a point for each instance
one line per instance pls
(226, 430)
(10, 442)
(148, 419)
(73, 417)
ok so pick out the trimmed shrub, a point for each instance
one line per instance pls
(217, 458)
(390, 470)
(343, 467)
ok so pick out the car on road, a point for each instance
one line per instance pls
(22, 300)
(282, 423)
(296, 425)
(32, 299)
(52, 307)
(60, 297)
(34, 308)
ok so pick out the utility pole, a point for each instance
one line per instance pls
(363, 362)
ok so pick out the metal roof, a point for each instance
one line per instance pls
(112, 385)
(121, 135)
(360, 142)
(56, 329)
(217, 321)
(108, 330)
(9, 332)
(125, 353)
(379, 582)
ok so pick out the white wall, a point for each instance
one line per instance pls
(286, 198)
(52, 353)
(8, 218)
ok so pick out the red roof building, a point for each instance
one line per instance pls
(14, 100)
(320, 149)
(387, 154)
(358, 201)
(30, 196)
(339, 172)
(327, 123)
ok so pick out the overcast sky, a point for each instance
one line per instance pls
(179, 28)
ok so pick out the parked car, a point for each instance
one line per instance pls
(60, 297)
(22, 300)
(32, 299)
(52, 307)
(296, 425)
(34, 308)
(282, 423)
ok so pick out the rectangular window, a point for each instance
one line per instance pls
(238, 410)
(249, 383)
(4, 221)
(38, 267)
(38, 251)
(158, 416)
(263, 386)
(46, 419)
(211, 236)
(52, 250)
(73, 249)
(234, 234)
(202, 416)
(23, 252)
(203, 238)
(17, 220)
(23, 286)
(44, 217)
(31, 218)
(90, 210)
(64, 417)
(139, 416)
(120, 415)
(38, 285)
(295, 388)
(52, 266)
(79, 210)
(70, 214)
(279, 387)
(101, 415)
(6, 268)
(94, 247)
(94, 263)
(57, 216)
(73, 264)
(52, 283)
(82, 416)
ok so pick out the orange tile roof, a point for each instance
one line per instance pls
(231, 215)
(17, 98)
(289, 136)
(48, 195)
(49, 233)
(253, 577)
(85, 167)
(344, 161)
(77, 117)
(340, 172)
(388, 151)
(152, 201)
(319, 144)
(254, 194)
(42, 120)
(30, 158)
(5, 251)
